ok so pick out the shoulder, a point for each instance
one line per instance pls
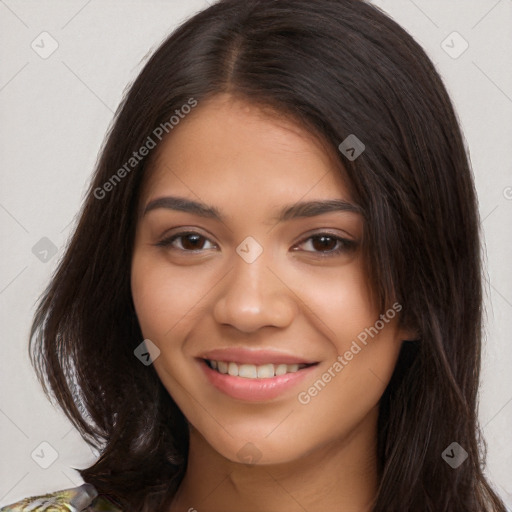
(78, 499)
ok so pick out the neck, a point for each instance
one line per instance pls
(341, 475)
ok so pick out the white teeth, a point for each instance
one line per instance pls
(264, 371)
(251, 371)
(233, 369)
(222, 366)
(281, 369)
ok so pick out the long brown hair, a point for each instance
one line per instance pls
(339, 67)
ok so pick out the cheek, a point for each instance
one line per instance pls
(162, 297)
(348, 317)
(339, 301)
(345, 393)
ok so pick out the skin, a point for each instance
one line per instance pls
(249, 164)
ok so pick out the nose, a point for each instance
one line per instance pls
(254, 296)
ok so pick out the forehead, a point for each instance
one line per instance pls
(229, 146)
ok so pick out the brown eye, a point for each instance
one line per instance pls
(192, 242)
(324, 243)
(187, 242)
(327, 244)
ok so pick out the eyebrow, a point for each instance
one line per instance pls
(293, 211)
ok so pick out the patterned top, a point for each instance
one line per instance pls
(78, 499)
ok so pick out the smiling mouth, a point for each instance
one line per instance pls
(252, 371)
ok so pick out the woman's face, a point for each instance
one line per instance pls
(254, 263)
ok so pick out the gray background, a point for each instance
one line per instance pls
(55, 112)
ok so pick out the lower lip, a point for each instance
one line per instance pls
(255, 390)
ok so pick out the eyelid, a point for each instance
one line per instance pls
(326, 231)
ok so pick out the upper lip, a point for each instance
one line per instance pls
(252, 356)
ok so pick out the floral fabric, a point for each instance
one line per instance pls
(78, 499)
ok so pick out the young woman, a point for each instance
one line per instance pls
(272, 300)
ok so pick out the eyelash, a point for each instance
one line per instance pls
(344, 244)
